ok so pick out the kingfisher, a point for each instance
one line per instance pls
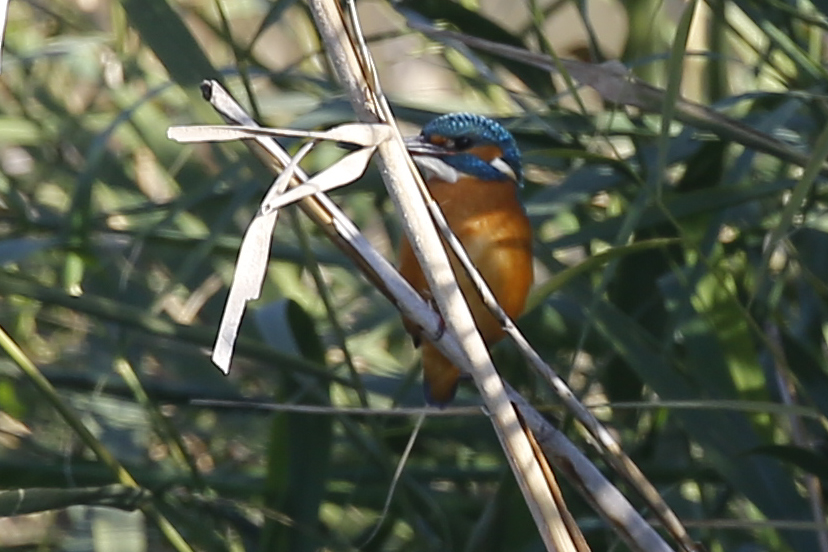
(471, 166)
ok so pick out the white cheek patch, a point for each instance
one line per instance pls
(432, 167)
(503, 167)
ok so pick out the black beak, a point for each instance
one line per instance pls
(418, 145)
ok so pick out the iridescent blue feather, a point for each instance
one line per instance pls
(482, 131)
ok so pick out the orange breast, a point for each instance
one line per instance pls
(490, 222)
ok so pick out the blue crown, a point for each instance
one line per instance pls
(467, 130)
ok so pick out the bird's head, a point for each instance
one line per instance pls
(463, 143)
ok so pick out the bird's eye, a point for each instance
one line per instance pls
(462, 143)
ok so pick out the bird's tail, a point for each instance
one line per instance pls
(439, 376)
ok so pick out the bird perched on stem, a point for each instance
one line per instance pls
(471, 165)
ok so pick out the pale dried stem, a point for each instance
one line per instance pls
(395, 167)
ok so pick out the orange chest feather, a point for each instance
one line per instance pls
(483, 214)
(490, 222)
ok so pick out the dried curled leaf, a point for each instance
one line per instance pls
(346, 170)
(250, 270)
(251, 265)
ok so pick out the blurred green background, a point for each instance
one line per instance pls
(705, 354)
